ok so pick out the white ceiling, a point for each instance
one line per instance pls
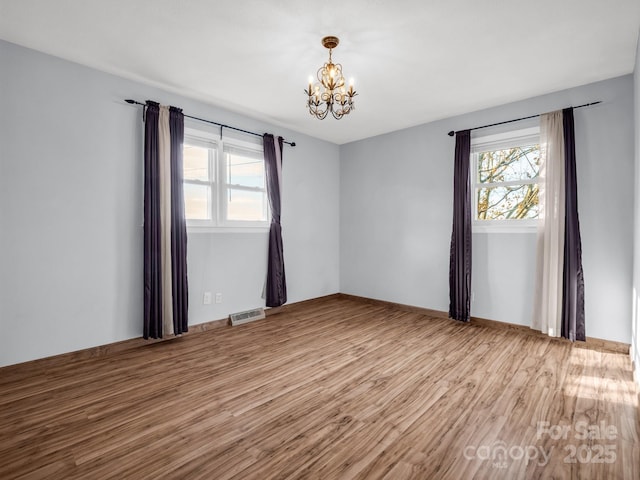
(413, 61)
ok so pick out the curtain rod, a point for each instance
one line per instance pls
(452, 133)
(221, 125)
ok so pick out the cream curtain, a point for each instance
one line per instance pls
(164, 157)
(547, 306)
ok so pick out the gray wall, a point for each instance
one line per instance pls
(71, 212)
(395, 223)
(635, 331)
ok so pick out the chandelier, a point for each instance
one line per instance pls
(329, 93)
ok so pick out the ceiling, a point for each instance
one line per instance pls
(413, 61)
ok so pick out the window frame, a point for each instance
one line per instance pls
(218, 221)
(510, 139)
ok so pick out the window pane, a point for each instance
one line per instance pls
(245, 205)
(500, 203)
(513, 164)
(197, 201)
(245, 171)
(196, 163)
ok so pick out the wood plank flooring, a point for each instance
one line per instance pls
(330, 389)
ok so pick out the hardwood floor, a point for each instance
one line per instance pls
(330, 389)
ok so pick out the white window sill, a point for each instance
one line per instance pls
(213, 229)
(502, 228)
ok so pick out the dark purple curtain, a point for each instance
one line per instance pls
(460, 253)
(152, 270)
(276, 288)
(178, 225)
(573, 324)
(153, 275)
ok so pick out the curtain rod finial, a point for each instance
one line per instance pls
(293, 144)
(128, 100)
(451, 133)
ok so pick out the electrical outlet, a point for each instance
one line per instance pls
(206, 298)
(218, 298)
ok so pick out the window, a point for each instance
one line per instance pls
(199, 184)
(244, 189)
(224, 182)
(505, 179)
